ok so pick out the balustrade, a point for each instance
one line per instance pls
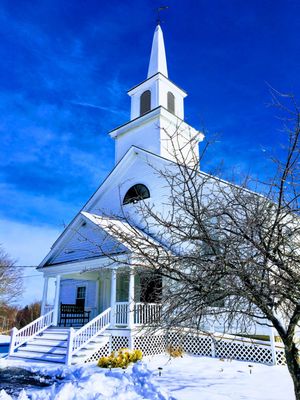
(78, 339)
(144, 313)
(122, 313)
(29, 331)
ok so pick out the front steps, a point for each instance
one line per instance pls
(51, 346)
(90, 348)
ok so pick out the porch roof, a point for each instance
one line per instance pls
(130, 236)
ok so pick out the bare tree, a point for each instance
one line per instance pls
(7, 317)
(10, 279)
(27, 314)
(224, 251)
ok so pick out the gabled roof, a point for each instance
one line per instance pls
(108, 224)
(82, 240)
(65, 237)
(129, 235)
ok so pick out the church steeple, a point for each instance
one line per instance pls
(157, 90)
(157, 112)
(158, 60)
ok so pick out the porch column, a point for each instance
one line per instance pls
(45, 295)
(131, 299)
(97, 298)
(113, 292)
(56, 300)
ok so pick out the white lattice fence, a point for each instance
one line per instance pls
(197, 345)
(150, 345)
(201, 345)
(280, 357)
(103, 351)
(226, 346)
(243, 351)
(119, 342)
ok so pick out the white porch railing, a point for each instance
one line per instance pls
(144, 313)
(147, 313)
(122, 313)
(19, 337)
(78, 339)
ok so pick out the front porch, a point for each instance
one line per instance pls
(134, 299)
(114, 305)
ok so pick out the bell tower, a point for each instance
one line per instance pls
(157, 90)
(157, 113)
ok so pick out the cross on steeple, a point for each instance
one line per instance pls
(159, 10)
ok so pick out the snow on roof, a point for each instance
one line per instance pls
(129, 235)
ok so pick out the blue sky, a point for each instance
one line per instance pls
(65, 70)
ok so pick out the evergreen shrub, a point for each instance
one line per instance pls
(120, 359)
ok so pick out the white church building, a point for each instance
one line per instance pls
(99, 305)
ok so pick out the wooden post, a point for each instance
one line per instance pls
(110, 344)
(131, 300)
(130, 340)
(213, 345)
(45, 295)
(97, 305)
(113, 292)
(56, 301)
(70, 346)
(13, 334)
(272, 344)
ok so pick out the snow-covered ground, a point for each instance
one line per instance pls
(4, 343)
(204, 378)
(187, 378)
(4, 338)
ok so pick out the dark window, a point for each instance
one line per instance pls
(151, 288)
(145, 102)
(171, 102)
(136, 193)
(80, 296)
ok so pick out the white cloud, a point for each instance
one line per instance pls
(28, 245)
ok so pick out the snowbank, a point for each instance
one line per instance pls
(90, 382)
(187, 378)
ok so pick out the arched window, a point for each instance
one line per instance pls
(145, 102)
(171, 102)
(136, 193)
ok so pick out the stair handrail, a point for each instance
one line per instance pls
(78, 339)
(21, 336)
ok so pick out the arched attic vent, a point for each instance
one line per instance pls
(136, 193)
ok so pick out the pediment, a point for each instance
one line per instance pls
(85, 241)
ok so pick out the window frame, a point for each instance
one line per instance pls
(82, 300)
(138, 197)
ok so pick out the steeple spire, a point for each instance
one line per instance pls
(158, 61)
(157, 113)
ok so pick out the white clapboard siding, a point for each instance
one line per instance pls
(87, 242)
(68, 291)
